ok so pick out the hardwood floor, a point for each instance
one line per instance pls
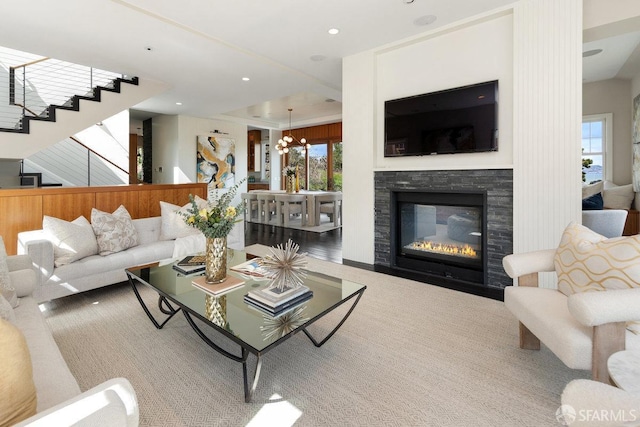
(326, 246)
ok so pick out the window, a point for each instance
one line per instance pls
(596, 146)
(320, 167)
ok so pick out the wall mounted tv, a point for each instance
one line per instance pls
(460, 120)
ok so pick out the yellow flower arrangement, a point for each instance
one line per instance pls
(217, 218)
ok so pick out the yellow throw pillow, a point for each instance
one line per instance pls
(17, 390)
(588, 261)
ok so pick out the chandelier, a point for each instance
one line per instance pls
(285, 142)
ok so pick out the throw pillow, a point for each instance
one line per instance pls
(6, 311)
(17, 389)
(114, 232)
(619, 197)
(6, 288)
(588, 261)
(589, 190)
(593, 203)
(71, 240)
(173, 225)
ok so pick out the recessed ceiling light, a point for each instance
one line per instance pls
(591, 52)
(425, 20)
(178, 103)
(148, 48)
(245, 79)
(329, 100)
(334, 31)
(317, 58)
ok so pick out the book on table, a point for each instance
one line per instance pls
(192, 260)
(281, 307)
(217, 289)
(251, 267)
(273, 296)
(189, 269)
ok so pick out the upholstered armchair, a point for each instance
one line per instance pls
(608, 222)
(582, 329)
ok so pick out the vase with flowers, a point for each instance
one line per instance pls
(289, 174)
(215, 219)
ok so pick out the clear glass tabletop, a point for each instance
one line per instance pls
(231, 315)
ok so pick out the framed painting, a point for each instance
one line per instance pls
(636, 144)
(216, 161)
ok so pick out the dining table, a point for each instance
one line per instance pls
(311, 201)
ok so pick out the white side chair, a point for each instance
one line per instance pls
(251, 212)
(267, 207)
(331, 204)
(291, 204)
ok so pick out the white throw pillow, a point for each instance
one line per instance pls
(6, 288)
(173, 225)
(589, 190)
(71, 240)
(619, 197)
(114, 232)
(189, 245)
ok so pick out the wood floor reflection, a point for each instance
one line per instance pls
(326, 246)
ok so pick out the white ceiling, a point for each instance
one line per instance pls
(203, 48)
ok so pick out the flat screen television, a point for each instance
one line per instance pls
(459, 120)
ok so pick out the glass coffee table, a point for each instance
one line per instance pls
(234, 319)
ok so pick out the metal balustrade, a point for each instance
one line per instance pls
(30, 84)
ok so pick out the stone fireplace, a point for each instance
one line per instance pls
(447, 228)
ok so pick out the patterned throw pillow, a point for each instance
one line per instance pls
(71, 240)
(114, 232)
(6, 311)
(6, 288)
(586, 261)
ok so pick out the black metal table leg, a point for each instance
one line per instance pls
(319, 344)
(170, 310)
(248, 391)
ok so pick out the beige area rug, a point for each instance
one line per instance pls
(296, 223)
(411, 354)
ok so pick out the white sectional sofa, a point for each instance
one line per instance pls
(93, 271)
(59, 399)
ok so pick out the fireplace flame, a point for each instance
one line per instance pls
(446, 249)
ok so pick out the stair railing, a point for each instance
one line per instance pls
(37, 84)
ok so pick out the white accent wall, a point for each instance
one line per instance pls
(534, 50)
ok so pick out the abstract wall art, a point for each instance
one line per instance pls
(216, 161)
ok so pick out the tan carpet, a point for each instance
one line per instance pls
(411, 354)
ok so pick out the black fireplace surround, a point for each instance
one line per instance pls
(447, 228)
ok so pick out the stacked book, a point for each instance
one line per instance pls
(274, 301)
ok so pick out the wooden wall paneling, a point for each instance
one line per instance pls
(23, 210)
(110, 201)
(18, 214)
(335, 131)
(68, 206)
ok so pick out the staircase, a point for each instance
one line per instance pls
(44, 101)
(72, 104)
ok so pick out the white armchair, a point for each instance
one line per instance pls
(582, 330)
(590, 404)
(608, 222)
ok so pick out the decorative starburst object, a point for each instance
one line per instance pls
(282, 325)
(285, 266)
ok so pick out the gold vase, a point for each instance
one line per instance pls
(216, 260)
(290, 183)
(215, 309)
